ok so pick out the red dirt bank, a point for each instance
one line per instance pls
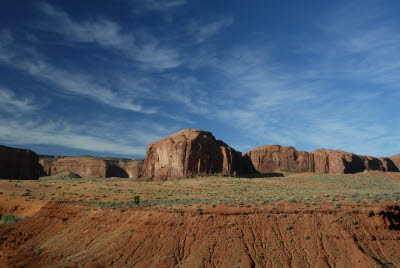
(70, 234)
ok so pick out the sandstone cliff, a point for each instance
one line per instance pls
(188, 152)
(86, 166)
(124, 168)
(18, 164)
(271, 158)
(275, 158)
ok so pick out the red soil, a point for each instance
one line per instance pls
(69, 234)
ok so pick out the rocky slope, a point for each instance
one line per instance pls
(92, 167)
(18, 164)
(188, 152)
(275, 158)
(74, 235)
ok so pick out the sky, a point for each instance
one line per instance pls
(106, 78)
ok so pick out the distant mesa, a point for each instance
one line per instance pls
(274, 158)
(89, 166)
(192, 152)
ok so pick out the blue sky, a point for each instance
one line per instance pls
(108, 78)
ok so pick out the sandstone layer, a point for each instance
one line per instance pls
(18, 164)
(92, 167)
(189, 152)
(275, 158)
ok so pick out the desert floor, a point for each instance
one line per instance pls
(298, 220)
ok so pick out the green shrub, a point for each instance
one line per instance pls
(9, 218)
(136, 200)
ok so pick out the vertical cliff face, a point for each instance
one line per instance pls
(388, 164)
(82, 166)
(92, 167)
(124, 168)
(18, 164)
(188, 152)
(337, 162)
(274, 158)
(396, 161)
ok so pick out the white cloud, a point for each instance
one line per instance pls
(70, 82)
(51, 133)
(105, 135)
(12, 104)
(140, 47)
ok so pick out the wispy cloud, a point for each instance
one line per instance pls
(36, 65)
(201, 31)
(10, 103)
(99, 135)
(141, 47)
(333, 85)
(358, 42)
(15, 132)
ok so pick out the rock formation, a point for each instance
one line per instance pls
(388, 164)
(188, 152)
(396, 161)
(87, 166)
(18, 164)
(275, 158)
(272, 158)
(124, 168)
(336, 162)
(84, 167)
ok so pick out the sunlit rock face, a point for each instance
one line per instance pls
(86, 166)
(275, 158)
(189, 152)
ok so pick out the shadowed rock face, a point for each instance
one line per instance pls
(396, 160)
(188, 152)
(124, 168)
(93, 167)
(388, 164)
(18, 164)
(84, 167)
(274, 158)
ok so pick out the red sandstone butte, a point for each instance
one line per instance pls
(188, 152)
(275, 158)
